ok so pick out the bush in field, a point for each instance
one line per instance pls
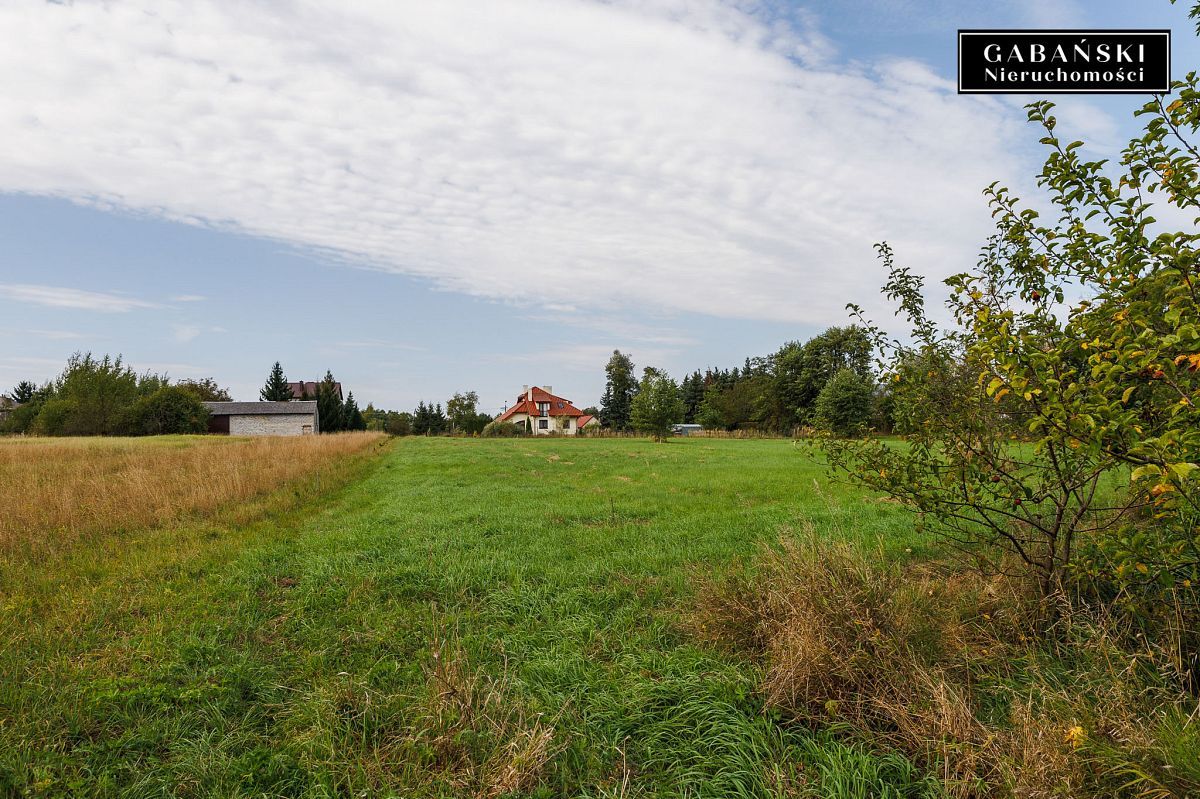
(170, 410)
(1080, 337)
(54, 417)
(844, 405)
(657, 405)
(502, 430)
(398, 423)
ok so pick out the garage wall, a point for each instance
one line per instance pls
(271, 424)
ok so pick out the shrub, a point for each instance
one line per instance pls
(844, 405)
(502, 430)
(1081, 336)
(22, 419)
(54, 417)
(170, 410)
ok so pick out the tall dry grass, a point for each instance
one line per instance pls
(57, 492)
(959, 672)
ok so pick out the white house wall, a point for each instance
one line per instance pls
(558, 424)
(271, 424)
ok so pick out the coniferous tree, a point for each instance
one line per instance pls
(693, 395)
(438, 423)
(352, 418)
(420, 423)
(329, 406)
(615, 405)
(276, 388)
(23, 392)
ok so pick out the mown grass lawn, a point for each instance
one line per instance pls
(466, 618)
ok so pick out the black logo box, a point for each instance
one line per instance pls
(1075, 61)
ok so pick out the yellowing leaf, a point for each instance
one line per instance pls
(1145, 471)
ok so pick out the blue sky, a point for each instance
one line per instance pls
(428, 198)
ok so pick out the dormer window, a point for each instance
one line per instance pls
(543, 408)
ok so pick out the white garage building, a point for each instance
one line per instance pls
(263, 418)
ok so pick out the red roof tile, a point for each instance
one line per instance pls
(558, 405)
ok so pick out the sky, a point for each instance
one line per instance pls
(427, 198)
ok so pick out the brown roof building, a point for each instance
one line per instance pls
(308, 390)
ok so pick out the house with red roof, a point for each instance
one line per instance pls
(542, 412)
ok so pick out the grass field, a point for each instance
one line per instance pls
(462, 618)
(60, 492)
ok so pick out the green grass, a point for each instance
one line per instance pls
(292, 656)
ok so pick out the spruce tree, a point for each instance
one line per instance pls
(352, 418)
(329, 407)
(276, 388)
(437, 421)
(23, 392)
(618, 392)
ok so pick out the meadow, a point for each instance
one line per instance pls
(59, 493)
(452, 617)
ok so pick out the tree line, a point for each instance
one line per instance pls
(826, 382)
(460, 416)
(104, 396)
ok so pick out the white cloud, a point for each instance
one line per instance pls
(186, 332)
(188, 298)
(62, 297)
(580, 358)
(1059, 14)
(378, 343)
(174, 370)
(52, 335)
(679, 155)
(26, 368)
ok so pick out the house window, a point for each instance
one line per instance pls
(543, 424)
(543, 408)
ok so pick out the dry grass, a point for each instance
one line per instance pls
(57, 492)
(486, 743)
(957, 671)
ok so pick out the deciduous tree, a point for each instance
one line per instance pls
(657, 405)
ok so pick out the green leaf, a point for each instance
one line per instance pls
(1145, 471)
